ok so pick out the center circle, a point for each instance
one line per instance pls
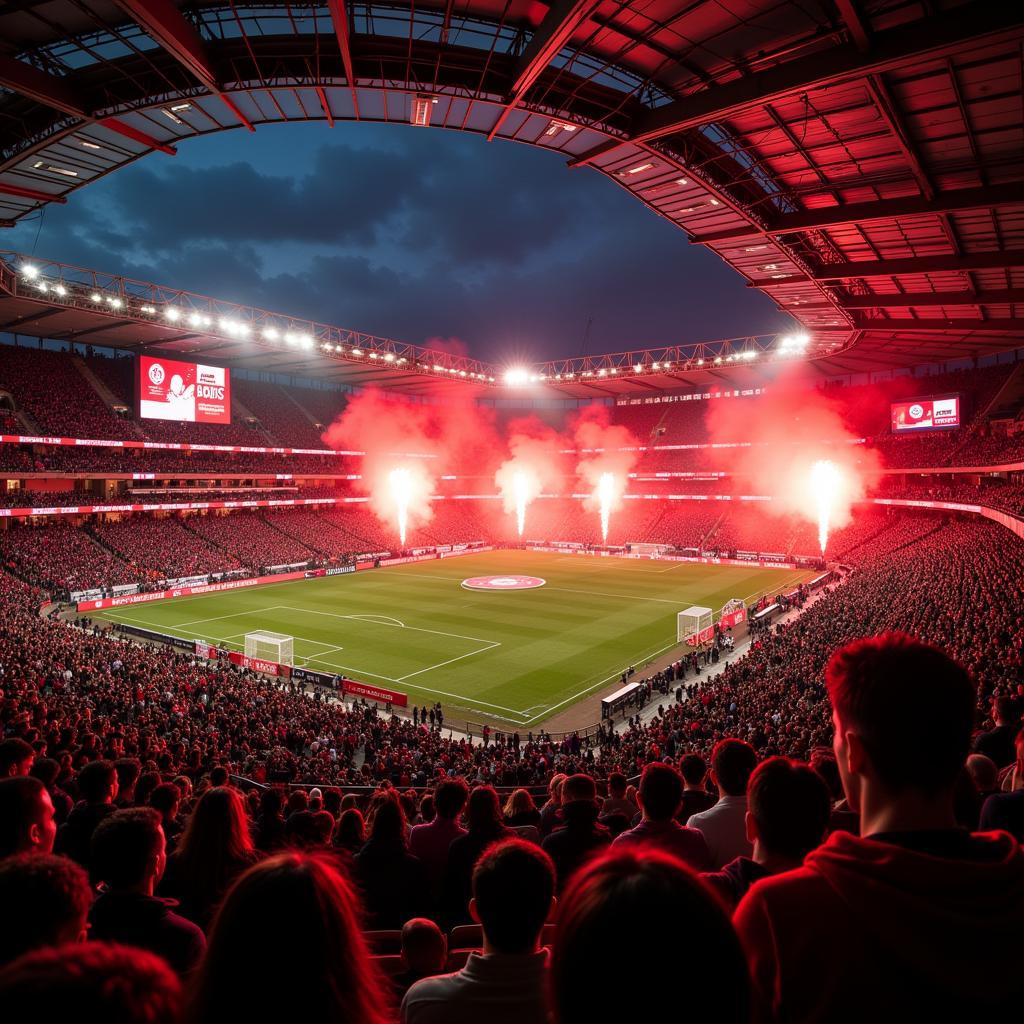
(503, 583)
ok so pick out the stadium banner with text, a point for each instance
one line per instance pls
(308, 675)
(353, 688)
(730, 620)
(939, 413)
(171, 506)
(152, 634)
(270, 668)
(184, 392)
(702, 636)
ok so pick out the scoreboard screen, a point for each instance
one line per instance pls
(169, 389)
(940, 413)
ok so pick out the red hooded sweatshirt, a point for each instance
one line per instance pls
(868, 931)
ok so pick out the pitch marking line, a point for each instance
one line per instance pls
(450, 661)
(417, 629)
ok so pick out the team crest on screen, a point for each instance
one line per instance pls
(916, 411)
(156, 373)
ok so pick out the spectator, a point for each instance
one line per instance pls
(350, 833)
(483, 815)
(298, 915)
(94, 981)
(128, 858)
(16, 757)
(215, 849)
(1013, 779)
(128, 771)
(270, 831)
(97, 787)
(424, 952)
(691, 957)
(520, 810)
(984, 774)
(513, 893)
(918, 917)
(696, 798)
(430, 842)
(1004, 812)
(616, 803)
(998, 742)
(166, 801)
(48, 771)
(788, 817)
(551, 811)
(45, 900)
(26, 817)
(392, 880)
(661, 793)
(580, 837)
(724, 824)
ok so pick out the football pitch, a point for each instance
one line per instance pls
(515, 657)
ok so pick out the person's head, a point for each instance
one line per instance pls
(298, 912)
(1018, 743)
(579, 789)
(694, 770)
(483, 811)
(513, 893)
(388, 824)
(351, 830)
(92, 981)
(688, 941)
(902, 712)
(424, 947)
(97, 782)
(129, 850)
(984, 772)
(45, 902)
(165, 800)
(824, 763)
(218, 775)
(555, 788)
(46, 770)
(732, 763)
(27, 823)
(519, 802)
(450, 797)
(271, 803)
(1004, 711)
(128, 771)
(617, 785)
(217, 828)
(16, 757)
(788, 809)
(661, 791)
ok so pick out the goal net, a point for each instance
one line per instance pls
(641, 548)
(694, 626)
(276, 647)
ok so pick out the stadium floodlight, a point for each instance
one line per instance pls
(359, 352)
(61, 290)
(639, 169)
(637, 367)
(194, 320)
(270, 333)
(171, 313)
(517, 377)
(29, 271)
(96, 297)
(389, 357)
(682, 181)
(42, 286)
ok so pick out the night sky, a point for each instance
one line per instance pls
(415, 234)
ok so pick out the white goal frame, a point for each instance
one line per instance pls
(691, 623)
(268, 646)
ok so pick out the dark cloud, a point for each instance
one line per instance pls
(411, 234)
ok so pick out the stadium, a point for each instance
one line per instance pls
(453, 680)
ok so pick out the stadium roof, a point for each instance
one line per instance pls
(859, 161)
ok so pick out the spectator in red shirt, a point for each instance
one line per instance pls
(917, 919)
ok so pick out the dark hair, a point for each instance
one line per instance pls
(165, 797)
(825, 764)
(688, 944)
(128, 771)
(513, 883)
(483, 811)
(661, 791)
(733, 762)
(299, 913)
(12, 752)
(790, 805)
(693, 769)
(351, 831)
(271, 801)
(450, 797)
(1006, 709)
(218, 775)
(46, 770)
(578, 787)
(42, 897)
(123, 844)
(95, 780)
(616, 783)
(388, 824)
(20, 796)
(91, 981)
(911, 704)
(423, 945)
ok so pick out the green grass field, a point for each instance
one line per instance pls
(514, 657)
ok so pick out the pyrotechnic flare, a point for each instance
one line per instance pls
(521, 486)
(401, 487)
(825, 481)
(605, 497)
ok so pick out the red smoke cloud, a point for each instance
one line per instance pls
(792, 429)
(428, 441)
(535, 465)
(603, 447)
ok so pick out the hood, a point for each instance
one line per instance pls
(927, 911)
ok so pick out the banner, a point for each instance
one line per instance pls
(270, 668)
(730, 620)
(702, 637)
(350, 687)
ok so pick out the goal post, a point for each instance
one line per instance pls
(694, 626)
(268, 646)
